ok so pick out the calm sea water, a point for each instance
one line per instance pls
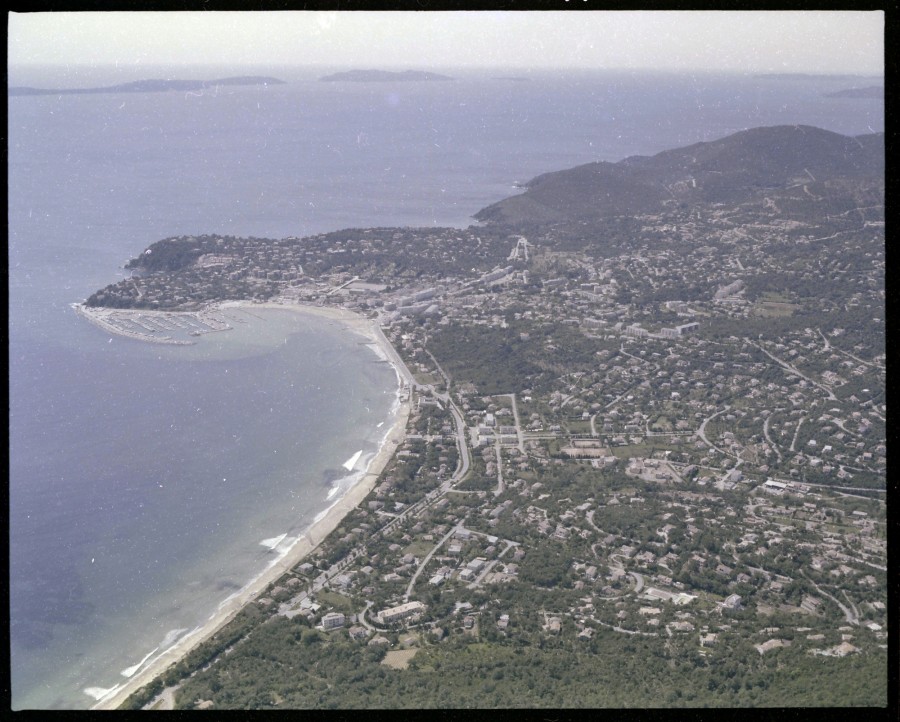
(145, 479)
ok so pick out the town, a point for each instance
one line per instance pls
(667, 430)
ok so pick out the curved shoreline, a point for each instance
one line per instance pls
(311, 538)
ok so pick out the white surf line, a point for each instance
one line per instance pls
(129, 671)
(101, 693)
(273, 542)
(351, 462)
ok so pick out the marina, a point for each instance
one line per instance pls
(166, 327)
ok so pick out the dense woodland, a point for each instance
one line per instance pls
(286, 665)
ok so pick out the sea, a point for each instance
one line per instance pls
(150, 483)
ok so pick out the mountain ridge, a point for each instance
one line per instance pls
(722, 170)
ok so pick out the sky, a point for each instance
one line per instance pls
(752, 41)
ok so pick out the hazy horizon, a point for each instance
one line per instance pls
(810, 42)
(57, 76)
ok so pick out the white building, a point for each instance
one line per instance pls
(333, 620)
(393, 614)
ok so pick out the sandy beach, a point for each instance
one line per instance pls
(316, 533)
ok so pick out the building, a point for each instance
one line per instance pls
(729, 290)
(394, 614)
(495, 275)
(357, 632)
(415, 298)
(635, 331)
(681, 330)
(687, 328)
(810, 604)
(333, 620)
(467, 575)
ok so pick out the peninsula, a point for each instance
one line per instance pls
(871, 91)
(645, 458)
(150, 86)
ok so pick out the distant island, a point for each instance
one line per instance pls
(814, 76)
(870, 91)
(383, 76)
(150, 86)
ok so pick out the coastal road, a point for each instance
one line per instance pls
(462, 468)
(440, 370)
(394, 357)
(465, 460)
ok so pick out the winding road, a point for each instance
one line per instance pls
(769, 438)
(849, 614)
(701, 432)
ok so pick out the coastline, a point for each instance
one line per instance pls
(312, 536)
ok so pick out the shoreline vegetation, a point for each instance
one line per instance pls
(313, 535)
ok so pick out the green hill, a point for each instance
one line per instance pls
(724, 170)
